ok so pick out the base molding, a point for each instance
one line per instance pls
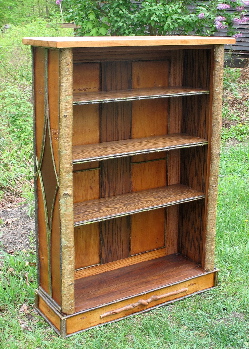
(66, 325)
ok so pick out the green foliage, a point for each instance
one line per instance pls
(20, 11)
(150, 17)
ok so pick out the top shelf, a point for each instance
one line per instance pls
(125, 41)
(135, 94)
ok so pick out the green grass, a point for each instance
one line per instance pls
(218, 318)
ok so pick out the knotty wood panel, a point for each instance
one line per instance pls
(148, 175)
(56, 253)
(115, 239)
(43, 250)
(147, 231)
(53, 101)
(85, 124)
(86, 77)
(191, 230)
(39, 57)
(149, 118)
(86, 185)
(194, 167)
(87, 245)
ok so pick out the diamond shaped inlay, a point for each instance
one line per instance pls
(49, 178)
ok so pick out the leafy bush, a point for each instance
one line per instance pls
(153, 17)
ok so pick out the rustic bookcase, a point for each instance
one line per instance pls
(126, 136)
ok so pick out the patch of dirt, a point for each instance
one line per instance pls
(17, 228)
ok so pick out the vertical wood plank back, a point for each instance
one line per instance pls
(147, 231)
(86, 77)
(86, 185)
(191, 230)
(115, 239)
(149, 118)
(194, 167)
(85, 124)
(148, 175)
(115, 173)
(150, 74)
(87, 245)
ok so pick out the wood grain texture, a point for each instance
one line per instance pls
(196, 67)
(86, 185)
(194, 167)
(122, 205)
(147, 231)
(86, 77)
(171, 229)
(43, 248)
(53, 102)
(148, 175)
(56, 253)
(87, 245)
(85, 124)
(39, 59)
(115, 239)
(121, 263)
(213, 157)
(105, 150)
(149, 74)
(68, 42)
(154, 114)
(143, 277)
(191, 230)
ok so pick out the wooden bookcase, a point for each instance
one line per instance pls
(126, 162)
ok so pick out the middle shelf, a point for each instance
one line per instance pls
(107, 150)
(122, 205)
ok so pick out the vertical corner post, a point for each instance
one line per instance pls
(66, 182)
(214, 155)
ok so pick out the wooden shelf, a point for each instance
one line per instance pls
(135, 94)
(128, 147)
(133, 280)
(123, 205)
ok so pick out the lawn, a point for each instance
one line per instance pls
(218, 318)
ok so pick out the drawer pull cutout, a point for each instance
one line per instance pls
(143, 302)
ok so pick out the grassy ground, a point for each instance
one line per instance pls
(218, 318)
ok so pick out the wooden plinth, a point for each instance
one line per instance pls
(116, 294)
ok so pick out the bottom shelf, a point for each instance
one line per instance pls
(124, 283)
(119, 293)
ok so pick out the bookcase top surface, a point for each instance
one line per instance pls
(125, 41)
